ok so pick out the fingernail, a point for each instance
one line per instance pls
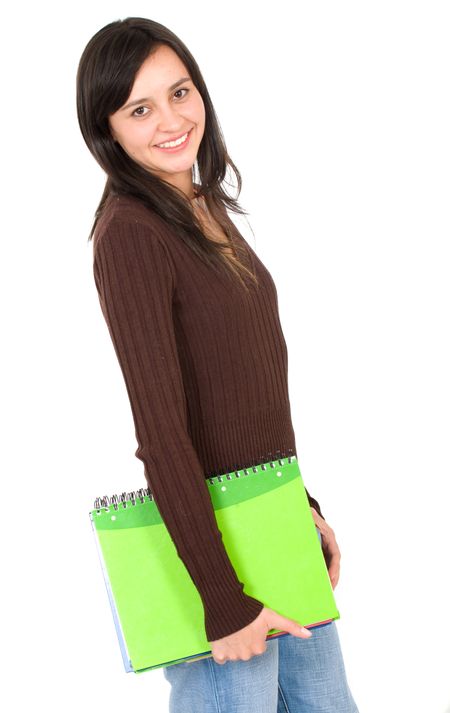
(306, 631)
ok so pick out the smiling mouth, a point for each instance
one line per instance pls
(176, 143)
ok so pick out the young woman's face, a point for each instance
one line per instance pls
(162, 108)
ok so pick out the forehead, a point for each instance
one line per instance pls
(161, 69)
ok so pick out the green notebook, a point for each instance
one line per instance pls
(271, 539)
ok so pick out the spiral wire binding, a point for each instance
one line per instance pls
(125, 499)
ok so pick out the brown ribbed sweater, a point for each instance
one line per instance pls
(205, 367)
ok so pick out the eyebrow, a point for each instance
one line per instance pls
(146, 99)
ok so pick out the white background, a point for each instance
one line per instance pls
(337, 115)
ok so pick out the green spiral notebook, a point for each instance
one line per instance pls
(270, 537)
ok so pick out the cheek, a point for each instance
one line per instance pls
(143, 133)
(138, 136)
(202, 122)
(202, 114)
(197, 110)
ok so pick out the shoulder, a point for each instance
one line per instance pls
(130, 240)
(126, 215)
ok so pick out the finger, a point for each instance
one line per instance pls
(277, 621)
(333, 572)
(318, 520)
(333, 560)
(332, 556)
(329, 545)
(327, 532)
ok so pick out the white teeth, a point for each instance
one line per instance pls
(170, 144)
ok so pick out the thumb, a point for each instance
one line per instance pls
(277, 621)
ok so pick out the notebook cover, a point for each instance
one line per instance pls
(270, 536)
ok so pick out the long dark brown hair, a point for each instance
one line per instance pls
(105, 77)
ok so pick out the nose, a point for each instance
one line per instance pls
(169, 119)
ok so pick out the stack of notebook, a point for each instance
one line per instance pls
(270, 536)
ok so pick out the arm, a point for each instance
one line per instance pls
(135, 282)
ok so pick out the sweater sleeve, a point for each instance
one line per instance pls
(135, 281)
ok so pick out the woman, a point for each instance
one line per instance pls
(193, 317)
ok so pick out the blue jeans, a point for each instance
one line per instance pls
(293, 675)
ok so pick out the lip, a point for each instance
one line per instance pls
(175, 149)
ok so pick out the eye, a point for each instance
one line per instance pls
(141, 109)
(183, 89)
(135, 112)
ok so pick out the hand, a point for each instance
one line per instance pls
(251, 640)
(330, 548)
